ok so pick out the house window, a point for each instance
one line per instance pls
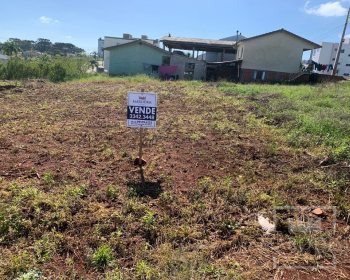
(342, 51)
(150, 69)
(347, 65)
(155, 69)
(333, 59)
(166, 60)
(259, 75)
(189, 71)
(346, 74)
(240, 52)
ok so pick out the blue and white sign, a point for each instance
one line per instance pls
(142, 110)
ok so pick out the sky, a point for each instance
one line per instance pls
(82, 22)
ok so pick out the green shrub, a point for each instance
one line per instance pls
(57, 73)
(57, 69)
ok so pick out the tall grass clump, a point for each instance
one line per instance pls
(56, 69)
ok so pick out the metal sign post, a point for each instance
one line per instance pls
(141, 114)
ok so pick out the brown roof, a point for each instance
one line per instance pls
(315, 46)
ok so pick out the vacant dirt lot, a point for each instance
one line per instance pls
(68, 188)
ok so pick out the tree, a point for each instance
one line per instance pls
(9, 48)
(94, 55)
(25, 45)
(93, 63)
(65, 49)
(43, 45)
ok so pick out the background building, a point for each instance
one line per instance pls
(116, 41)
(142, 57)
(272, 57)
(327, 54)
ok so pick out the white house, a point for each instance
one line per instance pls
(327, 54)
(272, 57)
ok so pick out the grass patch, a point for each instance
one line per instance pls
(312, 116)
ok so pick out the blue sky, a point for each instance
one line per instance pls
(82, 22)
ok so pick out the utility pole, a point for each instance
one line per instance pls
(340, 45)
(237, 54)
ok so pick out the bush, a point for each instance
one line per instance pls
(57, 73)
(57, 69)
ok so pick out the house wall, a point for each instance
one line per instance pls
(215, 57)
(109, 42)
(246, 76)
(180, 61)
(130, 59)
(278, 52)
(115, 41)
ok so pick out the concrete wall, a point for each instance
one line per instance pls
(180, 61)
(278, 52)
(130, 59)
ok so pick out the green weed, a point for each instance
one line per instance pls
(48, 178)
(149, 219)
(144, 271)
(30, 275)
(112, 192)
(102, 257)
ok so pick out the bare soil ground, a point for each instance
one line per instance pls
(211, 169)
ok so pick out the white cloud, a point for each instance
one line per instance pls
(329, 9)
(47, 20)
